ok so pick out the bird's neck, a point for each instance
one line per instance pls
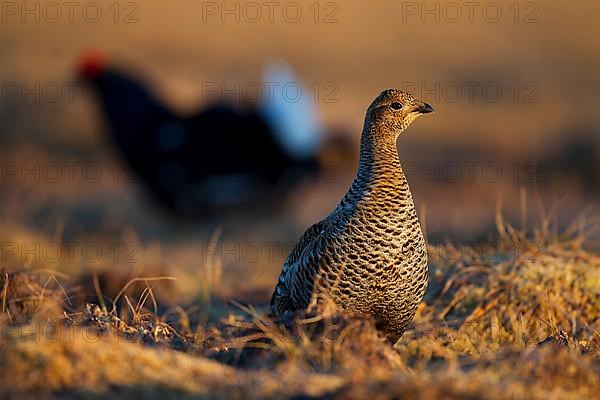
(379, 171)
(379, 159)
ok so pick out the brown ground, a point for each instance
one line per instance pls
(506, 316)
(525, 326)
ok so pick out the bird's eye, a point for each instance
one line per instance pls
(396, 106)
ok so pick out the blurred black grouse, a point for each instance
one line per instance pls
(223, 155)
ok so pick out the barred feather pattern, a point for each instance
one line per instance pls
(369, 255)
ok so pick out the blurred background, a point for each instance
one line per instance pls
(516, 130)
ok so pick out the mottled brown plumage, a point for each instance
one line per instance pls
(369, 254)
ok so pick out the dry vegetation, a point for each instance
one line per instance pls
(521, 323)
(517, 319)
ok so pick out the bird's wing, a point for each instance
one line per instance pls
(295, 284)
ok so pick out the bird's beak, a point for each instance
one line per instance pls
(424, 109)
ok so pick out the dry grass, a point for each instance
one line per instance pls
(524, 323)
(516, 319)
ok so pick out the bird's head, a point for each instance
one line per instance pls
(91, 65)
(393, 111)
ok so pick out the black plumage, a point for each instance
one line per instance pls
(222, 155)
